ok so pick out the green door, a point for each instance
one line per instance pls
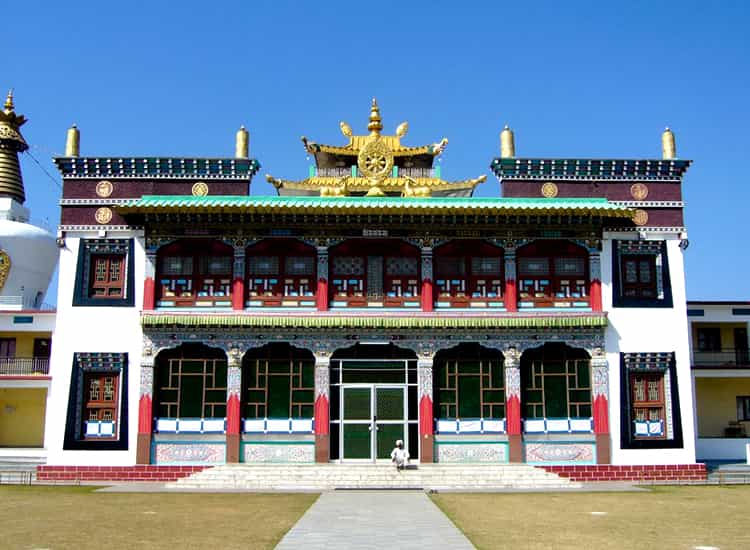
(389, 419)
(373, 419)
(357, 423)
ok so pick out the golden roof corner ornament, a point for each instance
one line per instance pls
(402, 129)
(345, 129)
(439, 147)
(9, 102)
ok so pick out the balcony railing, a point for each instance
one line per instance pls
(724, 358)
(24, 366)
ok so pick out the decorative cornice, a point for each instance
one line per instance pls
(369, 321)
(590, 169)
(157, 168)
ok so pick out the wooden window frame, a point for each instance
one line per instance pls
(108, 284)
(194, 284)
(175, 377)
(100, 405)
(465, 252)
(449, 373)
(261, 288)
(258, 385)
(649, 405)
(365, 249)
(531, 293)
(639, 289)
(657, 251)
(576, 408)
(85, 284)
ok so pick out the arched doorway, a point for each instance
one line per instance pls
(374, 402)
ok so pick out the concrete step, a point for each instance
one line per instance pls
(346, 476)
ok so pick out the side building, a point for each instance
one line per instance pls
(28, 255)
(721, 379)
(369, 302)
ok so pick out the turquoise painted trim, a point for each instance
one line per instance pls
(471, 443)
(276, 443)
(206, 442)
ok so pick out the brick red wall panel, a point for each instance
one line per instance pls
(115, 473)
(666, 472)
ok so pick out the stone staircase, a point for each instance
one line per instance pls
(730, 473)
(19, 468)
(328, 477)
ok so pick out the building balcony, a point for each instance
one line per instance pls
(726, 358)
(24, 366)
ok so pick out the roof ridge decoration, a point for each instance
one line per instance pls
(11, 143)
(374, 165)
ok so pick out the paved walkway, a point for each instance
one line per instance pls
(374, 519)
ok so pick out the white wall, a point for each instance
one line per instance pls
(650, 330)
(92, 329)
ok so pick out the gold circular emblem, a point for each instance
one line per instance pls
(375, 160)
(103, 215)
(640, 217)
(200, 189)
(104, 189)
(639, 191)
(4, 267)
(549, 190)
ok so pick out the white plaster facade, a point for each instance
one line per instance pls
(92, 329)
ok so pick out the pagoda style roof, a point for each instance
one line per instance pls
(157, 167)
(364, 205)
(390, 186)
(412, 320)
(589, 169)
(375, 165)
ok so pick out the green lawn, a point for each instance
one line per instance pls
(662, 518)
(78, 518)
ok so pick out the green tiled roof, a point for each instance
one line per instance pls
(432, 205)
(331, 321)
(154, 167)
(589, 169)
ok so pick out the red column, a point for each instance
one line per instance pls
(238, 294)
(511, 301)
(321, 296)
(596, 295)
(233, 428)
(426, 430)
(145, 425)
(322, 443)
(149, 294)
(427, 293)
(601, 415)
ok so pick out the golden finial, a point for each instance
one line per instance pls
(9, 102)
(402, 129)
(73, 142)
(376, 123)
(345, 129)
(507, 143)
(668, 145)
(242, 143)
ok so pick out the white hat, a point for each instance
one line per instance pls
(399, 442)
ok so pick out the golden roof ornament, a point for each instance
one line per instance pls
(242, 143)
(507, 143)
(376, 123)
(374, 164)
(668, 145)
(73, 142)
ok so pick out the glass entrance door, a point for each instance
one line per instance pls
(373, 417)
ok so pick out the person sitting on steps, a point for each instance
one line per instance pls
(399, 455)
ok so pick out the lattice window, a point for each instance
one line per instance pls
(104, 274)
(557, 388)
(263, 265)
(447, 267)
(216, 265)
(471, 388)
(195, 273)
(650, 416)
(641, 274)
(192, 388)
(348, 265)
(177, 265)
(278, 387)
(300, 265)
(108, 276)
(401, 266)
(101, 401)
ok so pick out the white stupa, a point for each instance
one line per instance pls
(28, 254)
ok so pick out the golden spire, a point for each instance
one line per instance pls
(73, 142)
(507, 143)
(9, 102)
(668, 146)
(376, 123)
(242, 143)
(11, 143)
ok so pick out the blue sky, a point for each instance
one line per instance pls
(573, 79)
